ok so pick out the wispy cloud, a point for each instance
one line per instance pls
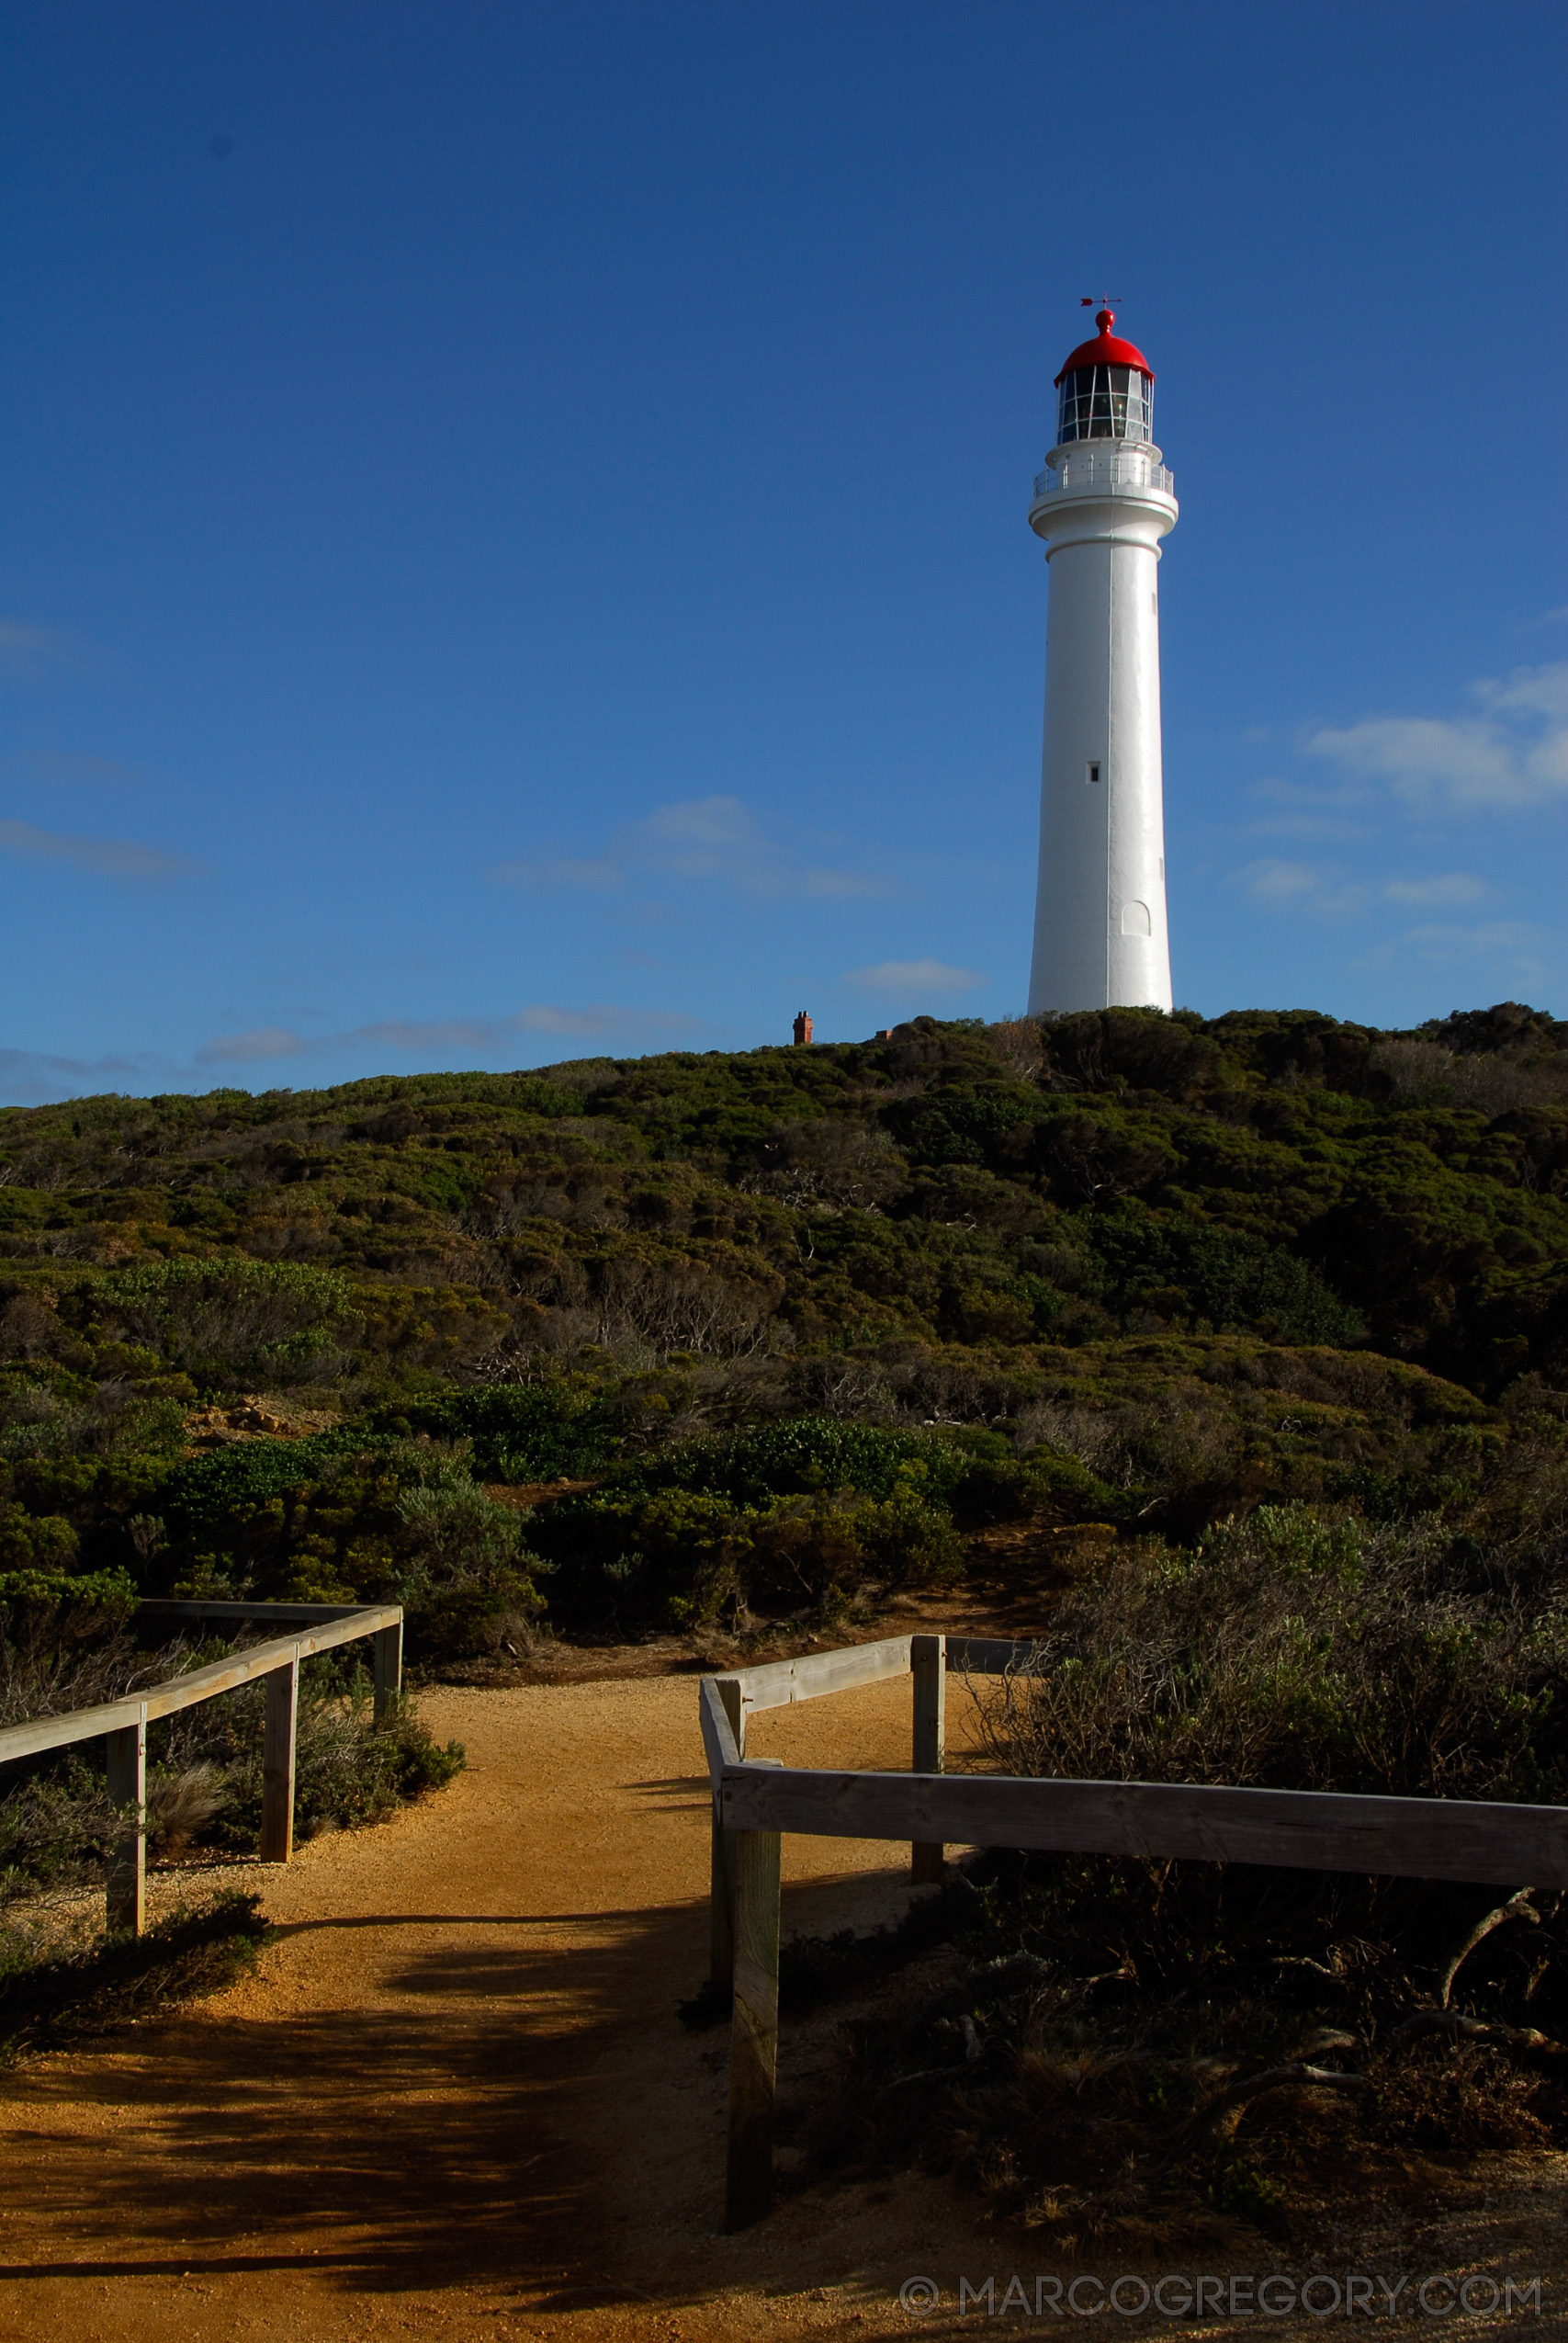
(105, 857)
(1327, 891)
(1306, 886)
(1428, 894)
(1513, 753)
(1515, 944)
(716, 841)
(1306, 811)
(914, 975)
(248, 1048)
(61, 769)
(30, 1076)
(1321, 891)
(28, 646)
(562, 872)
(597, 1022)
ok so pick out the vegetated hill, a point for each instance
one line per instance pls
(1115, 1266)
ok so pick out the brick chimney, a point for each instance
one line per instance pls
(803, 1031)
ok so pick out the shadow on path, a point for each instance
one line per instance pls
(492, 2111)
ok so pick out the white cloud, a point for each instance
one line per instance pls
(1427, 894)
(29, 1077)
(1306, 886)
(914, 975)
(1280, 882)
(107, 857)
(1318, 828)
(1538, 691)
(713, 840)
(1514, 753)
(597, 1022)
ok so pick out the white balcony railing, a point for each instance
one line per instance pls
(1080, 468)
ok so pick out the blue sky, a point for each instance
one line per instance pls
(512, 530)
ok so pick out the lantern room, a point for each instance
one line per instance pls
(1106, 391)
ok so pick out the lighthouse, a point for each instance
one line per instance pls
(1101, 505)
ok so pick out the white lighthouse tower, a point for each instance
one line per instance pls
(1102, 504)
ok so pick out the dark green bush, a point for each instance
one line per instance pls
(784, 1515)
(536, 1432)
(349, 1516)
(683, 1556)
(1225, 1276)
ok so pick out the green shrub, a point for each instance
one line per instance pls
(63, 1642)
(274, 1320)
(678, 1555)
(536, 1432)
(35, 1541)
(51, 1998)
(684, 1557)
(1296, 1651)
(350, 1516)
(462, 1570)
(783, 1515)
(1225, 1276)
(348, 1770)
(56, 1828)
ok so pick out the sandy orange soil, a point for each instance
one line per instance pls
(455, 2101)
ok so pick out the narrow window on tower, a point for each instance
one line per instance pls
(1093, 770)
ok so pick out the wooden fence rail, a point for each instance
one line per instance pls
(753, 1803)
(122, 1723)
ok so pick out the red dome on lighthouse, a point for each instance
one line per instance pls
(1106, 349)
(1106, 391)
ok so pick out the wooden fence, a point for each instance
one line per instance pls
(754, 1801)
(122, 1723)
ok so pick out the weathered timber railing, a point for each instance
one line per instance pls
(754, 1801)
(122, 1723)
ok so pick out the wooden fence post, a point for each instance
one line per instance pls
(754, 2027)
(126, 1899)
(277, 1762)
(386, 1664)
(721, 1881)
(928, 1665)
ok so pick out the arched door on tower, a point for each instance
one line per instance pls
(1136, 920)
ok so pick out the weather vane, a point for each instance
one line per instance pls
(1105, 300)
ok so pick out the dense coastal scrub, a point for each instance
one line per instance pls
(495, 1346)
(732, 1347)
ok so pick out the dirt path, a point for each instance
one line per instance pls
(455, 2101)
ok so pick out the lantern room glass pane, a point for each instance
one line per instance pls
(1105, 403)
